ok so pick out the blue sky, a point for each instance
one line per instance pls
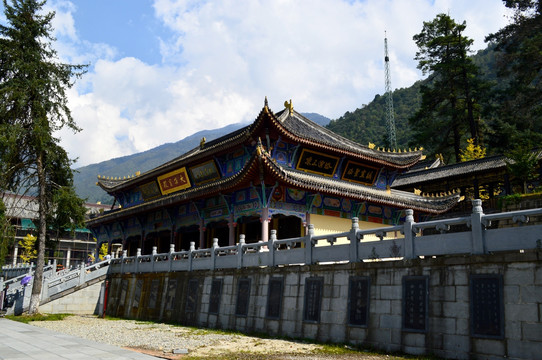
(128, 25)
(161, 70)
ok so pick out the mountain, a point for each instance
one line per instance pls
(85, 177)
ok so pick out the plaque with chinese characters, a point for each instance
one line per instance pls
(358, 301)
(415, 297)
(174, 181)
(216, 292)
(150, 191)
(243, 294)
(317, 163)
(153, 294)
(170, 297)
(359, 173)
(192, 296)
(137, 293)
(487, 306)
(274, 298)
(313, 299)
(204, 173)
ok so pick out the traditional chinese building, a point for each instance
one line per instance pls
(488, 179)
(67, 248)
(281, 172)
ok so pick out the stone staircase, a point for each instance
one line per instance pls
(56, 284)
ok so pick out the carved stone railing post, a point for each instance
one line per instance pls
(271, 246)
(213, 253)
(240, 251)
(124, 255)
(409, 234)
(477, 230)
(191, 254)
(138, 255)
(353, 238)
(170, 257)
(309, 245)
(153, 255)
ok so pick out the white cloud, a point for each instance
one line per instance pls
(226, 56)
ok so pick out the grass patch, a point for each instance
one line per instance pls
(37, 317)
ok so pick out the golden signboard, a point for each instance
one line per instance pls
(204, 173)
(317, 163)
(359, 173)
(149, 190)
(174, 181)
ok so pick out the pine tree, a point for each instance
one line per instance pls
(449, 109)
(34, 106)
(518, 114)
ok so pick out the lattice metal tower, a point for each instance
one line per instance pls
(390, 114)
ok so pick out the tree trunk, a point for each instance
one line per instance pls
(42, 232)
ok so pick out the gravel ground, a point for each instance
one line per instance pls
(162, 340)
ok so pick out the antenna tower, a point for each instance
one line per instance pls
(390, 114)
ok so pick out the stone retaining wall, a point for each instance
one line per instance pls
(463, 307)
(85, 301)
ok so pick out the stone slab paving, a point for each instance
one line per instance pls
(20, 341)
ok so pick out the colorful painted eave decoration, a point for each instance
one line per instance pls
(174, 181)
(317, 163)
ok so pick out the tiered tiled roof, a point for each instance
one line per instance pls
(303, 130)
(448, 171)
(292, 125)
(261, 162)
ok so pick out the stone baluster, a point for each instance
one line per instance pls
(477, 228)
(240, 251)
(190, 255)
(271, 247)
(213, 253)
(309, 244)
(409, 234)
(353, 238)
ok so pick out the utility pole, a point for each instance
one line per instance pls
(390, 114)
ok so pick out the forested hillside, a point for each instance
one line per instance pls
(368, 123)
(492, 100)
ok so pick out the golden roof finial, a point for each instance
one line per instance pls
(138, 173)
(202, 143)
(417, 191)
(289, 106)
(371, 145)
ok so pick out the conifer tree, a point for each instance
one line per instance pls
(518, 113)
(33, 106)
(448, 110)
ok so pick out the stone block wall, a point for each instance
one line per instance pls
(85, 301)
(467, 307)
